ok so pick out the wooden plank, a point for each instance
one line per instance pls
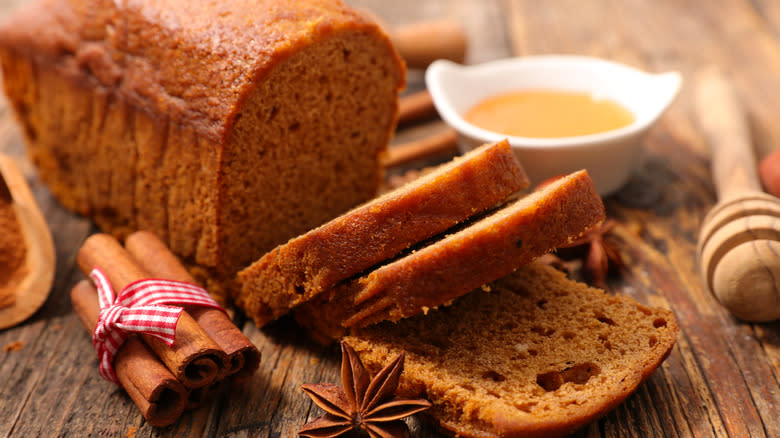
(641, 34)
(272, 403)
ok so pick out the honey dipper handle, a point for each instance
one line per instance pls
(726, 130)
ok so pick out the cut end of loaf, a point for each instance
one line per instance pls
(307, 145)
(538, 355)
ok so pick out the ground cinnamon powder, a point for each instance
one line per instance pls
(13, 251)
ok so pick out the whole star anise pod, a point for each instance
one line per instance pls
(363, 403)
(601, 251)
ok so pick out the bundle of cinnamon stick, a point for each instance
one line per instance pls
(163, 380)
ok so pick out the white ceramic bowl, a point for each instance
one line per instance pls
(610, 157)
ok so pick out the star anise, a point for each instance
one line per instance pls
(601, 251)
(363, 403)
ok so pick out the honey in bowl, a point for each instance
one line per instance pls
(548, 114)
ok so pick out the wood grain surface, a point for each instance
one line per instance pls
(722, 378)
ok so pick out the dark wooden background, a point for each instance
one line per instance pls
(722, 376)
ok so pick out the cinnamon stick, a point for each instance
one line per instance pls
(158, 395)
(195, 359)
(441, 143)
(155, 257)
(415, 107)
(419, 44)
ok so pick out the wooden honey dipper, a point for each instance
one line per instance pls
(739, 242)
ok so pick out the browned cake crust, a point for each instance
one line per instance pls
(537, 356)
(223, 127)
(295, 272)
(453, 266)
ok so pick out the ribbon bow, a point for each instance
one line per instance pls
(140, 308)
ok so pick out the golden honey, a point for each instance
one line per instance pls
(548, 114)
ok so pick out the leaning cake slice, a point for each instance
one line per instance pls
(485, 250)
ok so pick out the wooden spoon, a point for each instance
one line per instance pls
(34, 288)
(739, 242)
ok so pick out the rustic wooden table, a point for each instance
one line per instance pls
(722, 376)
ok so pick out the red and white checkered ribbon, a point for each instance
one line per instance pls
(141, 307)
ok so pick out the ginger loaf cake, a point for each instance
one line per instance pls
(487, 249)
(538, 355)
(300, 269)
(223, 127)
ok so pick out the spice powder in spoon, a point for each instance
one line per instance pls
(13, 250)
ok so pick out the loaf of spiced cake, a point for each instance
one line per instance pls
(436, 273)
(307, 265)
(534, 354)
(223, 127)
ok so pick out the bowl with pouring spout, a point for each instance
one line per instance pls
(610, 156)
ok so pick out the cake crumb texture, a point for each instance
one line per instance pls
(540, 355)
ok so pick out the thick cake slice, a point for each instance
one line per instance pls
(378, 230)
(537, 355)
(482, 252)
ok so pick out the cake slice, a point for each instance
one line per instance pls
(537, 355)
(482, 252)
(378, 230)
